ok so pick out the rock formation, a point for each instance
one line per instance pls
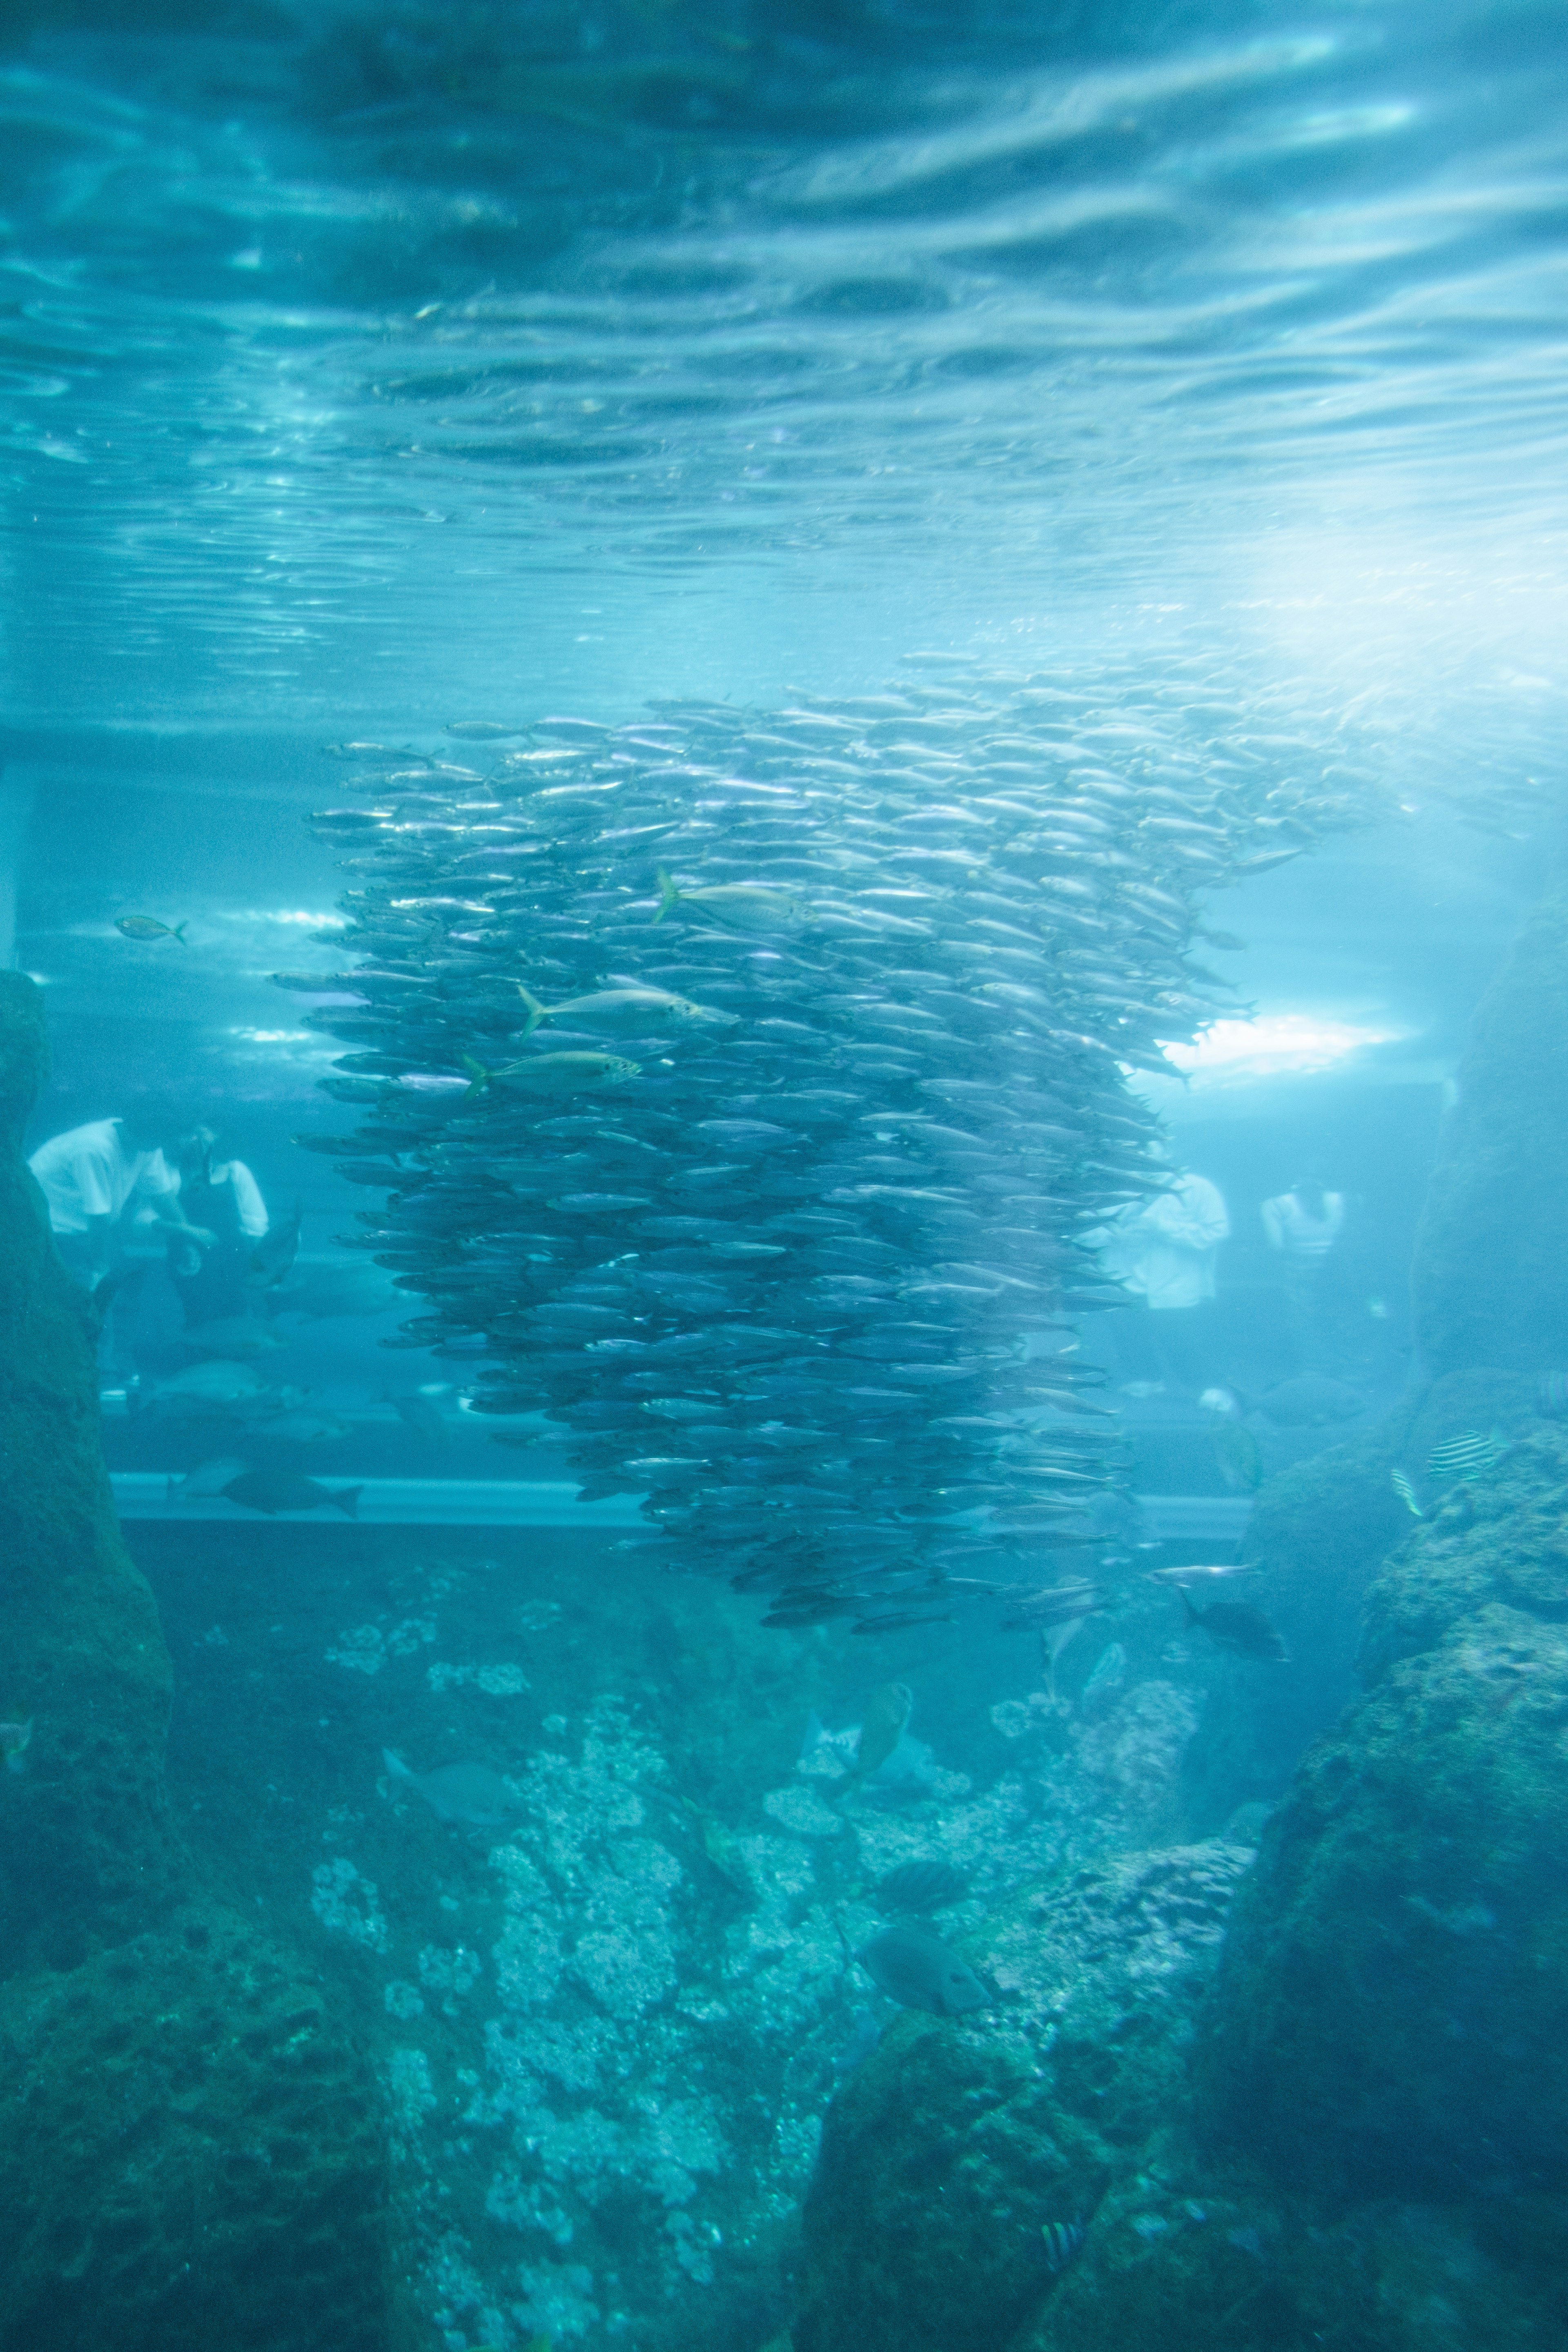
(1491, 1257)
(191, 2150)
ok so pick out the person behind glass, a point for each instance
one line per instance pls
(1302, 1225)
(1165, 1251)
(91, 1175)
(224, 1199)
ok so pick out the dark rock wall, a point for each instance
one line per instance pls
(87, 1851)
(191, 2144)
(1491, 1277)
(1389, 2008)
(952, 2148)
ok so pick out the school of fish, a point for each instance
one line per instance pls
(742, 1087)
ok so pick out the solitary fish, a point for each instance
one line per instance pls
(1237, 1625)
(1466, 1456)
(1404, 1487)
(1064, 2240)
(217, 1382)
(888, 1711)
(147, 926)
(632, 1011)
(552, 1074)
(929, 1885)
(16, 1738)
(458, 1792)
(288, 1490)
(920, 1971)
(737, 906)
(209, 1478)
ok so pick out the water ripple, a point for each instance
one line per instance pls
(278, 319)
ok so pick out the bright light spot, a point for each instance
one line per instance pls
(297, 915)
(1274, 1045)
(276, 1036)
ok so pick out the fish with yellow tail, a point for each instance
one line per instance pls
(16, 1738)
(624, 1012)
(548, 1074)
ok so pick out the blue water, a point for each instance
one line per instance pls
(367, 369)
(367, 362)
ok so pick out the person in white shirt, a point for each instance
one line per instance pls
(1165, 1251)
(226, 1199)
(92, 1174)
(1302, 1225)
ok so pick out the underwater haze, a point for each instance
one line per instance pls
(784, 1176)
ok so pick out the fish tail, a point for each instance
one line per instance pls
(478, 1078)
(395, 1764)
(347, 1501)
(1189, 1614)
(668, 894)
(536, 1012)
(179, 933)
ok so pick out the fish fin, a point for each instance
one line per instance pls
(668, 894)
(478, 1078)
(536, 1012)
(347, 1501)
(179, 933)
(1189, 1614)
(395, 1765)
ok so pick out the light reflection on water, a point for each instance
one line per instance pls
(305, 371)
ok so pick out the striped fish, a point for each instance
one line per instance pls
(1465, 1456)
(1063, 2240)
(1403, 1486)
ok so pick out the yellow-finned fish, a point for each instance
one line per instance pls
(552, 1074)
(631, 1012)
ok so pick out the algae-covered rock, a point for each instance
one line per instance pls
(1501, 1538)
(1491, 1277)
(187, 2154)
(1186, 2257)
(949, 2151)
(1318, 1533)
(1389, 2012)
